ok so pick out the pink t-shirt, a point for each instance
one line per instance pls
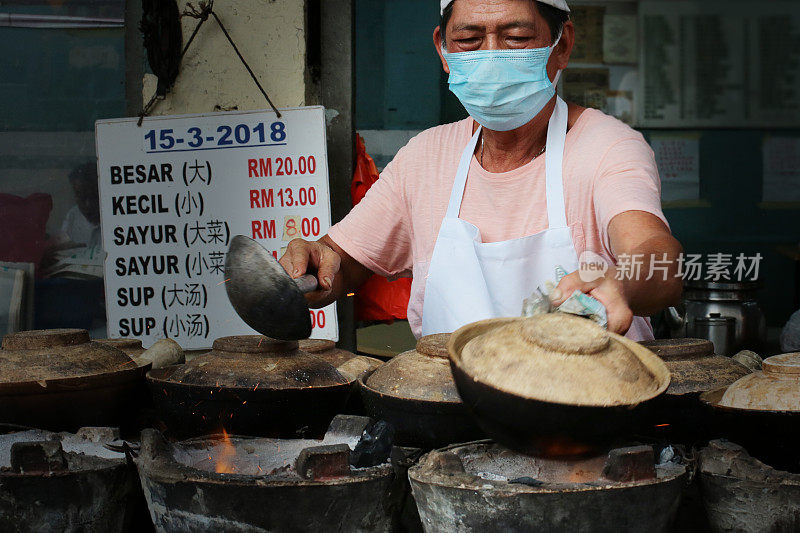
(608, 169)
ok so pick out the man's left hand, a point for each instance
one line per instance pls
(607, 290)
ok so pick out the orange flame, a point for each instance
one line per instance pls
(224, 463)
(561, 447)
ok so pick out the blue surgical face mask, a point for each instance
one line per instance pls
(502, 89)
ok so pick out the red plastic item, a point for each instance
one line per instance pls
(24, 223)
(378, 299)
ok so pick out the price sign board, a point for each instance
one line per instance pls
(173, 193)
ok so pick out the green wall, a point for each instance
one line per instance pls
(61, 79)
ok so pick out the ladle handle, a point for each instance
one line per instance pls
(307, 283)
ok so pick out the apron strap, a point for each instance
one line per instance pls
(554, 157)
(457, 194)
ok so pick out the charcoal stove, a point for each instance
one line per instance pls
(742, 493)
(483, 486)
(249, 484)
(65, 482)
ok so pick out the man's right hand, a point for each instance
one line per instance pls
(317, 258)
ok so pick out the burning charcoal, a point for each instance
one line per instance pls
(405, 456)
(375, 445)
(526, 480)
(98, 434)
(491, 477)
(630, 464)
(318, 462)
(37, 456)
(667, 454)
(749, 359)
(450, 462)
(347, 426)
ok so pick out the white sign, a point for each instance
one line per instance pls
(678, 160)
(781, 165)
(719, 63)
(173, 193)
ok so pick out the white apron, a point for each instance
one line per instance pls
(469, 280)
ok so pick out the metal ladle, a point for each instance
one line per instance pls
(264, 295)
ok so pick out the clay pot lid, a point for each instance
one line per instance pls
(45, 338)
(776, 388)
(132, 347)
(434, 345)
(257, 362)
(421, 374)
(327, 350)
(786, 364)
(668, 349)
(126, 344)
(42, 355)
(559, 358)
(693, 366)
(316, 345)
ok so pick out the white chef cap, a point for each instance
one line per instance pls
(558, 4)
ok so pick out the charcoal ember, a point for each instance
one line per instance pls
(37, 456)
(630, 464)
(375, 445)
(322, 462)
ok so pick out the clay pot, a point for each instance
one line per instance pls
(415, 392)
(555, 378)
(250, 385)
(254, 361)
(678, 415)
(420, 374)
(60, 380)
(559, 358)
(693, 366)
(775, 388)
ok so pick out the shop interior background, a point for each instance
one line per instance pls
(718, 77)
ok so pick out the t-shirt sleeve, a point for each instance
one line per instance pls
(376, 233)
(627, 180)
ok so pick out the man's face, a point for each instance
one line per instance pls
(502, 24)
(496, 24)
(87, 198)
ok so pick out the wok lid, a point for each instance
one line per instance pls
(558, 358)
(56, 354)
(420, 374)
(693, 366)
(250, 361)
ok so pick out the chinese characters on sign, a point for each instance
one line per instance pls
(678, 160)
(781, 164)
(173, 194)
(719, 64)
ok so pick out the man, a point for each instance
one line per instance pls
(82, 223)
(483, 211)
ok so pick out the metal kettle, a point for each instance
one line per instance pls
(709, 309)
